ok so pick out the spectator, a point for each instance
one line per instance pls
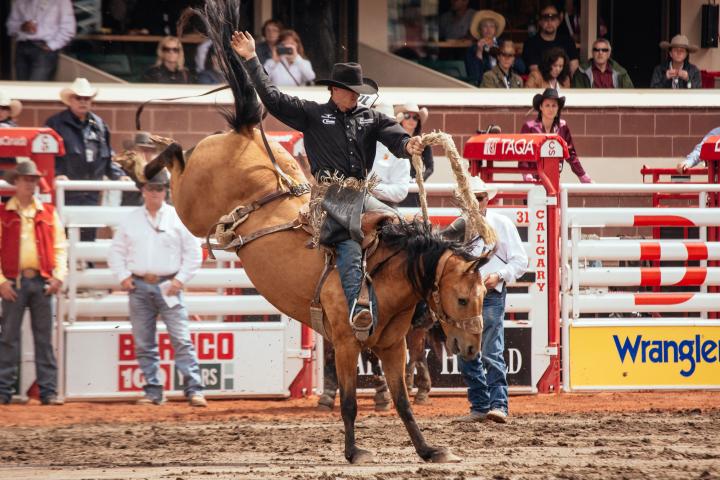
(33, 266)
(271, 33)
(554, 71)
(503, 75)
(153, 256)
(693, 157)
(570, 24)
(677, 71)
(41, 28)
(547, 38)
(211, 74)
(455, 23)
(288, 65)
(170, 64)
(601, 71)
(549, 106)
(392, 172)
(486, 27)
(486, 375)
(412, 118)
(88, 155)
(9, 110)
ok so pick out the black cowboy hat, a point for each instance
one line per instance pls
(160, 178)
(548, 93)
(349, 76)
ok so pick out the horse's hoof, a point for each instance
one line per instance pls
(382, 407)
(444, 455)
(361, 457)
(323, 408)
(421, 398)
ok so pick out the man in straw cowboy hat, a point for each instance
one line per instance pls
(88, 154)
(33, 266)
(9, 110)
(340, 138)
(677, 71)
(486, 376)
(153, 255)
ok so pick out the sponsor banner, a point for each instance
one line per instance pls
(515, 147)
(238, 359)
(445, 369)
(644, 356)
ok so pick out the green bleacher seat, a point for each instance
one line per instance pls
(117, 64)
(452, 68)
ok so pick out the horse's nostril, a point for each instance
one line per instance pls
(471, 350)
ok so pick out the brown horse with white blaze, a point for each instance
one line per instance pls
(412, 261)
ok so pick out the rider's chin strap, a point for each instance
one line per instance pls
(469, 324)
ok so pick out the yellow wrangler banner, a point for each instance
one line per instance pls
(644, 356)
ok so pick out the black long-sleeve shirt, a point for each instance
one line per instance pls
(335, 141)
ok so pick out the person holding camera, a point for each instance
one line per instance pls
(288, 65)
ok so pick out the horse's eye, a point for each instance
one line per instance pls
(463, 301)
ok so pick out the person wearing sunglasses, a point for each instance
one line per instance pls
(170, 64)
(503, 74)
(88, 151)
(486, 27)
(601, 71)
(411, 118)
(549, 37)
(677, 71)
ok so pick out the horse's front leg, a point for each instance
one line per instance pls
(393, 359)
(346, 357)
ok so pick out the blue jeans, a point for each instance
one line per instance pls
(486, 378)
(146, 303)
(31, 294)
(349, 266)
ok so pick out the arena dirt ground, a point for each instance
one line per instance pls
(569, 436)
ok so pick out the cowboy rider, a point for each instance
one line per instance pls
(340, 139)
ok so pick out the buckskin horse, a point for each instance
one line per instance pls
(412, 261)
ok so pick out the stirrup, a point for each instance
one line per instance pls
(362, 322)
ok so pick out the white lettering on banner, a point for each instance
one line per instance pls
(446, 360)
(717, 146)
(6, 141)
(514, 361)
(551, 148)
(215, 351)
(490, 146)
(518, 147)
(540, 268)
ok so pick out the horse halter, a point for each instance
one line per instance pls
(473, 324)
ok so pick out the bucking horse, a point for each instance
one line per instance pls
(234, 171)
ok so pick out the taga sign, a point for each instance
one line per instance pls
(523, 147)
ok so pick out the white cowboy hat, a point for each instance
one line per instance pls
(478, 186)
(487, 15)
(411, 108)
(14, 105)
(80, 87)
(385, 108)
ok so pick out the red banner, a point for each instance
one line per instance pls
(521, 147)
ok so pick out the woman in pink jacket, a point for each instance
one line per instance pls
(549, 105)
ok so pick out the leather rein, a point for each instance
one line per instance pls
(469, 324)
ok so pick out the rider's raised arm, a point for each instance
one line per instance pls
(286, 108)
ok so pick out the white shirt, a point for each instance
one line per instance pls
(394, 175)
(55, 21)
(509, 260)
(301, 69)
(161, 246)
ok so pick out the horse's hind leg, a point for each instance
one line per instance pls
(346, 357)
(393, 359)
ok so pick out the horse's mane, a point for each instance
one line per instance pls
(423, 246)
(222, 18)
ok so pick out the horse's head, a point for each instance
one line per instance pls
(457, 302)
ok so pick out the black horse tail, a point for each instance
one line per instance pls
(222, 18)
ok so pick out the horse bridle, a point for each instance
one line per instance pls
(469, 324)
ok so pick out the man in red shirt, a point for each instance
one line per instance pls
(601, 71)
(33, 265)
